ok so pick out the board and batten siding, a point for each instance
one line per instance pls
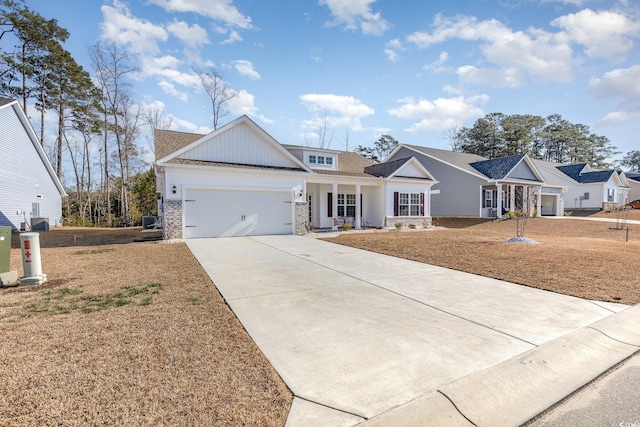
(240, 145)
(459, 194)
(24, 179)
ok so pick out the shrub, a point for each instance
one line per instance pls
(346, 226)
(398, 225)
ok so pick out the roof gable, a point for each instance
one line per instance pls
(240, 142)
(14, 105)
(583, 174)
(461, 161)
(408, 167)
(497, 168)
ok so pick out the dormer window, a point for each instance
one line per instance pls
(321, 160)
(312, 159)
(329, 160)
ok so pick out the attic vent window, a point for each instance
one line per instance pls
(38, 196)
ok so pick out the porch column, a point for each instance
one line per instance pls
(539, 201)
(512, 198)
(427, 201)
(358, 208)
(499, 201)
(334, 205)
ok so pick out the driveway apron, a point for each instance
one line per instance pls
(361, 337)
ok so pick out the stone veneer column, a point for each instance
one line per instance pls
(172, 222)
(301, 218)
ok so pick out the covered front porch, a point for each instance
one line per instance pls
(503, 197)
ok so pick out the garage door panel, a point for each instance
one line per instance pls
(225, 213)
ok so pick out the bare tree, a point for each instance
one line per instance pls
(218, 92)
(112, 68)
(153, 117)
(324, 139)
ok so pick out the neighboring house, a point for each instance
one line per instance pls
(474, 186)
(30, 192)
(238, 181)
(634, 186)
(586, 189)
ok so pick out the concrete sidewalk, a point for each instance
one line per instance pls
(366, 338)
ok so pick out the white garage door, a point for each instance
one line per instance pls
(223, 213)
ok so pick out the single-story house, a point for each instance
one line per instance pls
(238, 181)
(470, 185)
(587, 189)
(31, 193)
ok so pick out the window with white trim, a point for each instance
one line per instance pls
(408, 204)
(490, 199)
(321, 160)
(611, 195)
(347, 205)
(329, 160)
(312, 159)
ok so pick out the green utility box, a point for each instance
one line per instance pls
(5, 249)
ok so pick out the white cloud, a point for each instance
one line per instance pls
(192, 36)
(344, 105)
(391, 49)
(244, 103)
(439, 114)
(246, 68)
(618, 116)
(220, 10)
(604, 34)
(233, 37)
(537, 54)
(622, 84)
(356, 14)
(139, 35)
(335, 111)
(170, 89)
(437, 65)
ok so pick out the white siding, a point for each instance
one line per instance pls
(418, 187)
(242, 145)
(410, 170)
(248, 179)
(634, 193)
(23, 175)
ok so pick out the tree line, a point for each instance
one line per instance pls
(550, 138)
(98, 123)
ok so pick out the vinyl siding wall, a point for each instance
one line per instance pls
(459, 191)
(23, 176)
(241, 145)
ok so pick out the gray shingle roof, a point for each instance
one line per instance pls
(230, 165)
(461, 160)
(573, 172)
(633, 176)
(385, 169)
(497, 168)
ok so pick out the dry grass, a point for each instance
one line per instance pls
(128, 334)
(586, 259)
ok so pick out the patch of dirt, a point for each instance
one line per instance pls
(587, 259)
(128, 333)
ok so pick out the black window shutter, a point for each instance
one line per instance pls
(360, 205)
(330, 205)
(396, 203)
(421, 204)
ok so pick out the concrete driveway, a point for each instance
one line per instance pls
(363, 338)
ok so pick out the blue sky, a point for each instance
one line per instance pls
(410, 69)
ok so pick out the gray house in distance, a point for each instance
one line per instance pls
(30, 192)
(474, 186)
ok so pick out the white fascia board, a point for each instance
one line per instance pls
(344, 180)
(234, 170)
(36, 144)
(419, 165)
(240, 120)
